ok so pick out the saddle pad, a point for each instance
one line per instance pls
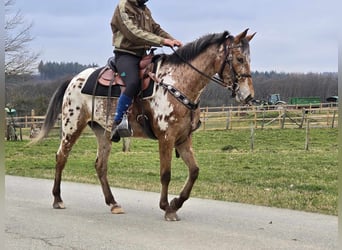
(89, 87)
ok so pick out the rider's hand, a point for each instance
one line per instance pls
(172, 43)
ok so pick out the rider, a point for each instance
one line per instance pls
(134, 32)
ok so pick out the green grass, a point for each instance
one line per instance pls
(278, 172)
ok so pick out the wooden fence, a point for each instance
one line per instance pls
(241, 117)
(285, 116)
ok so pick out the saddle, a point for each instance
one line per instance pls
(107, 82)
(109, 76)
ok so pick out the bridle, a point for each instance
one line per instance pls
(234, 77)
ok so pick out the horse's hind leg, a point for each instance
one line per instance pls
(186, 153)
(61, 158)
(101, 165)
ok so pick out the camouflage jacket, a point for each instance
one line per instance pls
(134, 30)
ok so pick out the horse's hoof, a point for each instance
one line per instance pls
(171, 216)
(58, 205)
(117, 209)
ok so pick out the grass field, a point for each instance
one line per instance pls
(278, 172)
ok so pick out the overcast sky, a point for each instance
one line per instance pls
(292, 35)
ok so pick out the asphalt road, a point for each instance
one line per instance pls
(87, 223)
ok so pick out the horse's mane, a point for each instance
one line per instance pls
(191, 50)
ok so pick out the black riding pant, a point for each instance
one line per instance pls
(128, 67)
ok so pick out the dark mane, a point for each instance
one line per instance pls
(191, 50)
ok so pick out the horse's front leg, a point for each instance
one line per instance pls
(186, 152)
(165, 156)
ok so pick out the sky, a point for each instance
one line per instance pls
(298, 36)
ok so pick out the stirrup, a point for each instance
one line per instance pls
(124, 129)
(114, 135)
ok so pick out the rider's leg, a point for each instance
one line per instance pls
(122, 106)
(128, 68)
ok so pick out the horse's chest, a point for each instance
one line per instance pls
(162, 109)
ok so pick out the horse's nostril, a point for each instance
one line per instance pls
(249, 99)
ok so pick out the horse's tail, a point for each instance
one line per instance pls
(54, 109)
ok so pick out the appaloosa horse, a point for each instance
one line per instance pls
(172, 113)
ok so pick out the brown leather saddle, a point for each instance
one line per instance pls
(106, 81)
(109, 75)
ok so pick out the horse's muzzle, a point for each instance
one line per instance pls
(243, 96)
(249, 100)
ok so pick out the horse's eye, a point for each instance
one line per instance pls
(240, 59)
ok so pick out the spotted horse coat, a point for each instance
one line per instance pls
(185, 73)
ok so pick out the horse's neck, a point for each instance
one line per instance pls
(187, 80)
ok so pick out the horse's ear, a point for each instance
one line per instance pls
(250, 37)
(241, 36)
(225, 34)
(227, 37)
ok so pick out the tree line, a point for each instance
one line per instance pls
(288, 85)
(53, 70)
(27, 92)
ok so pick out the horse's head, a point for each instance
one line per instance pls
(235, 69)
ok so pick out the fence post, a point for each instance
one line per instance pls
(283, 119)
(231, 118)
(333, 120)
(252, 137)
(307, 134)
(204, 119)
(126, 144)
(255, 117)
(303, 117)
(33, 114)
(228, 121)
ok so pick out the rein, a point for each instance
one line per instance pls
(182, 98)
(218, 78)
(235, 77)
(214, 79)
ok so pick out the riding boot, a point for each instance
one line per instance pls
(120, 126)
(114, 135)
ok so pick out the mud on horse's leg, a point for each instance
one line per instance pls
(101, 165)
